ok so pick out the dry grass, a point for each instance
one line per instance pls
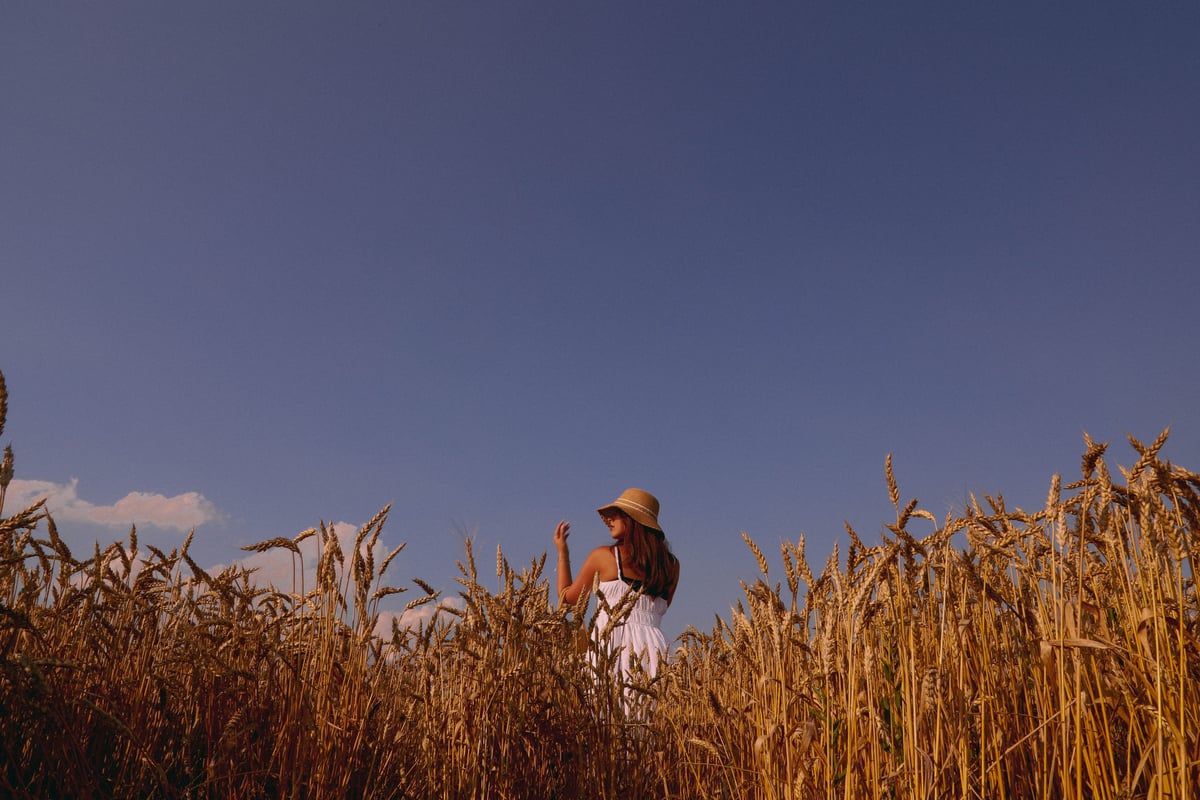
(1001, 654)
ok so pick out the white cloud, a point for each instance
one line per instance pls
(181, 512)
(280, 568)
(410, 619)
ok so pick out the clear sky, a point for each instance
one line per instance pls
(266, 264)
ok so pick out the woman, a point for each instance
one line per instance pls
(639, 561)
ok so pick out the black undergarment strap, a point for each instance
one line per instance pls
(633, 583)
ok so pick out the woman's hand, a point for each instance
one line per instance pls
(560, 536)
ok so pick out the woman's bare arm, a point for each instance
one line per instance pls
(595, 564)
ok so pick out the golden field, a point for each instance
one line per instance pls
(1052, 653)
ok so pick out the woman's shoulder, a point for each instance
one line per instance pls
(602, 560)
(602, 553)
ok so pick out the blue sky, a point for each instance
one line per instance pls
(266, 264)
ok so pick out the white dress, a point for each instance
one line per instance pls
(640, 634)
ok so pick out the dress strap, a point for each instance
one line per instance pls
(633, 583)
(620, 572)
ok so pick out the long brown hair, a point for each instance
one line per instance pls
(649, 552)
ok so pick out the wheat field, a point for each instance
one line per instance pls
(1003, 653)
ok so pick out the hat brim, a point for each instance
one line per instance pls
(634, 510)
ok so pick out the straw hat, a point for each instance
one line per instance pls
(639, 504)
